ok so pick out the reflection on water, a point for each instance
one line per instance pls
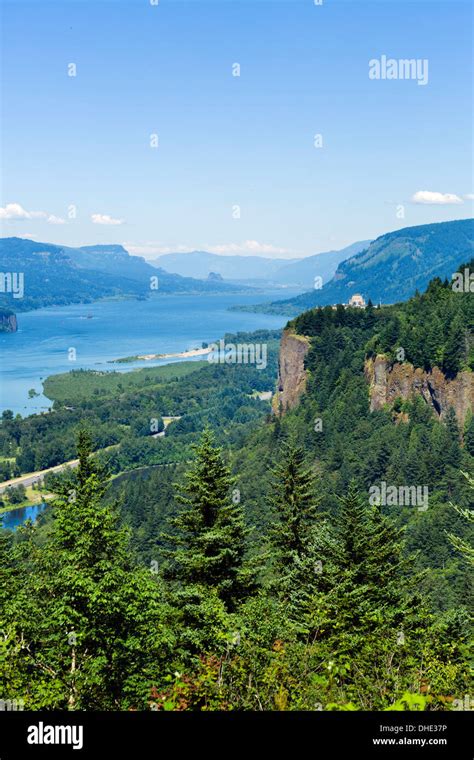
(15, 517)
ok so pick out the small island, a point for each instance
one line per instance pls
(151, 357)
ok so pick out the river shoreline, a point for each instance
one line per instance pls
(13, 518)
(152, 357)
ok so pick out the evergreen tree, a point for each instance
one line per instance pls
(367, 585)
(370, 316)
(455, 347)
(6, 567)
(86, 467)
(295, 559)
(210, 534)
(91, 624)
(415, 472)
(11, 685)
(452, 452)
(432, 346)
(469, 435)
(390, 335)
(294, 505)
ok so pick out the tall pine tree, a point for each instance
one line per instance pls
(294, 505)
(210, 535)
(368, 585)
(294, 560)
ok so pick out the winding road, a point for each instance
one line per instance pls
(36, 477)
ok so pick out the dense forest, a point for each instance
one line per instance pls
(252, 572)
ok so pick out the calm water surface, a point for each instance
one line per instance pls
(15, 517)
(106, 330)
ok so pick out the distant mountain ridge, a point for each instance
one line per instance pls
(58, 275)
(200, 263)
(323, 265)
(299, 272)
(391, 268)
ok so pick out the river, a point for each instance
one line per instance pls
(15, 517)
(88, 336)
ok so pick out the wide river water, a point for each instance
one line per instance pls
(106, 330)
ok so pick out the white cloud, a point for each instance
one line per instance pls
(434, 198)
(247, 248)
(151, 250)
(469, 196)
(16, 212)
(105, 219)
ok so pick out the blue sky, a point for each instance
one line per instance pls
(227, 141)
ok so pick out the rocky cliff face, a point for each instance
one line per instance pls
(291, 371)
(387, 382)
(8, 322)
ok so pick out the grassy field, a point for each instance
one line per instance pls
(80, 385)
(32, 497)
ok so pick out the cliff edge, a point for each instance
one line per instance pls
(291, 371)
(390, 381)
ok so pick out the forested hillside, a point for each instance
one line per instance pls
(58, 275)
(125, 410)
(391, 269)
(258, 573)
